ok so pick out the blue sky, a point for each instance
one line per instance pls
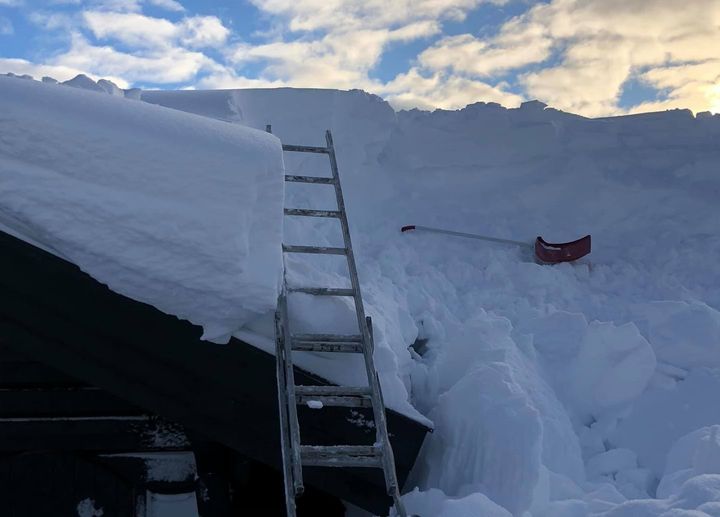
(593, 57)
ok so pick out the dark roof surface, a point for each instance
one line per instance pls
(58, 315)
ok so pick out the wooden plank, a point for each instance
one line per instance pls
(107, 435)
(25, 373)
(82, 401)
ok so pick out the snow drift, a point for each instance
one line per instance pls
(577, 390)
(555, 391)
(178, 211)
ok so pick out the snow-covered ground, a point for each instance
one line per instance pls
(576, 390)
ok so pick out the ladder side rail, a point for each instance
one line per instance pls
(388, 458)
(287, 459)
(381, 433)
(391, 482)
(354, 282)
(294, 426)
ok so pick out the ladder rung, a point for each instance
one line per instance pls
(305, 149)
(310, 179)
(335, 396)
(312, 213)
(340, 391)
(322, 250)
(348, 348)
(341, 456)
(329, 338)
(322, 291)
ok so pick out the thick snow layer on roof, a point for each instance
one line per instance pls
(577, 390)
(175, 210)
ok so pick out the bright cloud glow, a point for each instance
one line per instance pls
(599, 46)
(584, 56)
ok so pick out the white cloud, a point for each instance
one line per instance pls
(601, 45)
(11, 3)
(148, 32)
(130, 28)
(167, 65)
(461, 54)
(336, 60)
(169, 5)
(6, 27)
(695, 86)
(439, 90)
(228, 79)
(342, 41)
(53, 21)
(202, 31)
(310, 15)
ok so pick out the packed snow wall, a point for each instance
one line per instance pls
(554, 391)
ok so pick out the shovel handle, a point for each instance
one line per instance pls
(466, 235)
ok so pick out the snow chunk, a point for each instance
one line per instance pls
(86, 508)
(434, 502)
(694, 454)
(684, 334)
(611, 462)
(595, 367)
(83, 82)
(175, 210)
(660, 417)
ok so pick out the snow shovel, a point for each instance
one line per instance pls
(545, 252)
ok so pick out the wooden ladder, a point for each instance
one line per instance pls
(296, 455)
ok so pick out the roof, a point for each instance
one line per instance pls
(56, 314)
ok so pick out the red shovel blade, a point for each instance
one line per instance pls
(553, 253)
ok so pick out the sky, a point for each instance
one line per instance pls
(591, 57)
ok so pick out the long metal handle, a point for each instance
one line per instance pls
(467, 235)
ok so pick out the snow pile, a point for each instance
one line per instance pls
(171, 209)
(555, 391)
(577, 390)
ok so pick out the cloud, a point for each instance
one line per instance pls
(439, 90)
(229, 79)
(165, 65)
(337, 60)
(59, 72)
(168, 5)
(147, 32)
(6, 27)
(312, 15)
(576, 55)
(508, 51)
(695, 86)
(597, 47)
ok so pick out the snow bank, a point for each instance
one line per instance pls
(555, 391)
(178, 211)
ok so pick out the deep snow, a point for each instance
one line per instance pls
(172, 209)
(554, 391)
(575, 390)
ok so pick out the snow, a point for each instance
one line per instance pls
(554, 391)
(576, 390)
(178, 211)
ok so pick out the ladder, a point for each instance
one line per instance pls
(296, 455)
